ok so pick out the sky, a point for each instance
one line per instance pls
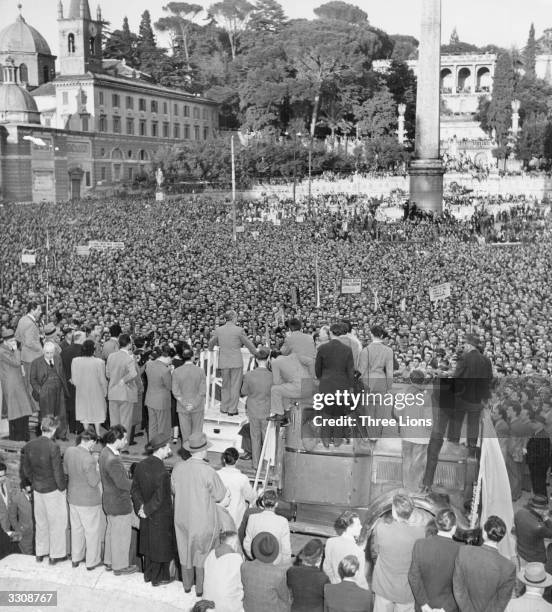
(502, 22)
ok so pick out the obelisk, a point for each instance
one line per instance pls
(426, 169)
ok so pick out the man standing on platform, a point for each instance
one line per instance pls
(256, 386)
(299, 343)
(230, 338)
(16, 403)
(291, 379)
(42, 466)
(49, 386)
(152, 499)
(28, 336)
(188, 388)
(471, 386)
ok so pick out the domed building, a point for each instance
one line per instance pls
(16, 103)
(30, 52)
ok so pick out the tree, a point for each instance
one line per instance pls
(179, 24)
(401, 81)
(152, 59)
(122, 44)
(405, 47)
(499, 112)
(547, 142)
(530, 54)
(267, 16)
(531, 142)
(341, 11)
(377, 116)
(232, 15)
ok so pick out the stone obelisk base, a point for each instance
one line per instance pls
(159, 196)
(426, 184)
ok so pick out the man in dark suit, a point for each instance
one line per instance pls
(483, 579)
(152, 499)
(334, 367)
(69, 353)
(347, 596)
(256, 386)
(50, 387)
(230, 338)
(464, 394)
(299, 343)
(533, 524)
(432, 567)
(21, 517)
(264, 584)
(42, 466)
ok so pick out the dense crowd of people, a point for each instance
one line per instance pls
(128, 321)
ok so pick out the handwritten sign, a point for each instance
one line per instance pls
(83, 251)
(299, 218)
(240, 229)
(101, 245)
(351, 286)
(28, 257)
(439, 292)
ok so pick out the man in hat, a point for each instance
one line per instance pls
(535, 579)
(197, 489)
(256, 386)
(49, 386)
(483, 579)
(463, 394)
(230, 338)
(51, 334)
(16, 403)
(533, 524)
(28, 335)
(264, 583)
(306, 580)
(152, 499)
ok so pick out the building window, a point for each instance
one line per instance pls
(205, 133)
(142, 155)
(71, 43)
(117, 125)
(130, 173)
(176, 130)
(143, 129)
(153, 106)
(176, 109)
(103, 123)
(186, 111)
(64, 97)
(103, 173)
(88, 182)
(196, 132)
(204, 114)
(142, 104)
(23, 73)
(92, 43)
(165, 130)
(115, 100)
(196, 112)
(129, 154)
(130, 127)
(85, 123)
(45, 74)
(187, 132)
(101, 97)
(154, 131)
(48, 122)
(165, 108)
(130, 102)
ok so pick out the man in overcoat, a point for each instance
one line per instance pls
(16, 403)
(152, 499)
(197, 489)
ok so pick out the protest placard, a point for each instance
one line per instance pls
(351, 285)
(439, 292)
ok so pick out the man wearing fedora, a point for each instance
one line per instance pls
(197, 489)
(264, 583)
(152, 499)
(306, 580)
(470, 386)
(483, 579)
(535, 579)
(51, 334)
(533, 524)
(16, 403)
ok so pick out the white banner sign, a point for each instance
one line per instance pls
(439, 292)
(240, 229)
(83, 251)
(277, 222)
(101, 245)
(28, 258)
(351, 285)
(299, 219)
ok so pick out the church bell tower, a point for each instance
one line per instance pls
(80, 39)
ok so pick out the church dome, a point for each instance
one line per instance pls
(15, 99)
(20, 37)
